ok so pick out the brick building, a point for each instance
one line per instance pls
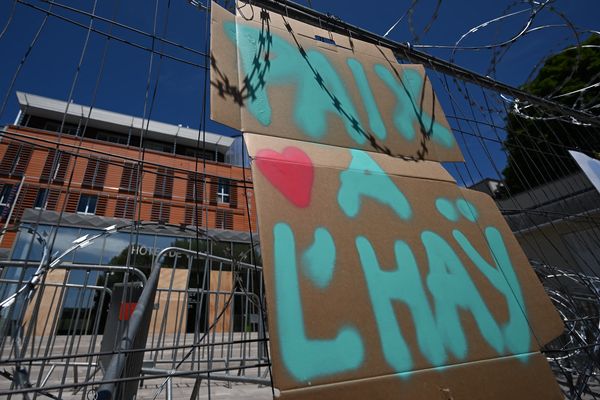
(71, 171)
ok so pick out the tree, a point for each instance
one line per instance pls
(538, 148)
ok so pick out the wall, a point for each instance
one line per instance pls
(213, 214)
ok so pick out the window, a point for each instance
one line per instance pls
(69, 129)
(15, 160)
(163, 186)
(112, 137)
(87, 204)
(193, 152)
(160, 212)
(195, 188)
(129, 179)
(55, 167)
(223, 190)
(41, 200)
(224, 219)
(125, 207)
(95, 173)
(193, 216)
(158, 146)
(5, 195)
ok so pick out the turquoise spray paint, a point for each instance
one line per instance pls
(268, 60)
(402, 284)
(318, 261)
(365, 178)
(375, 121)
(319, 89)
(453, 289)
(306, 358)
(408, 110)
(516, 332)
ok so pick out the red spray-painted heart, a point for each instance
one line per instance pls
(290, 171)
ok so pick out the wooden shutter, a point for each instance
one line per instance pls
(16, 159)
(47, 170)
(165, 212)
(6, 165)
(228, 220)
(95, 173)
(55, 167)
(101, 175)
(224, 219)
(161, 211)
(61, 168)
(163, 186)
(90, 173)
(233, 193)
(26, 200)
(101, 205)
(53, 196)
(125, 207)
(22, 160)
(72, 202)
(196, 180)
(193, 216)
(129, 179)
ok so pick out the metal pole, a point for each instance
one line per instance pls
(117, 364)
(169, 394)
(106, 391)
(18, 118)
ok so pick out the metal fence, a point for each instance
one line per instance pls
(204, 316)
(213, 333)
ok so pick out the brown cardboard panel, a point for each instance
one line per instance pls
(279, 77)
(278, 21)
(225, 91)
(546, 329)
(321, 156)
(377, 266)
(488, 380)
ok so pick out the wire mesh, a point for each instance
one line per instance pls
(206, 329)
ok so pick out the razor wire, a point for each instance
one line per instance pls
(478, 107)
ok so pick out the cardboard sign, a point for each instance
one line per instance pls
(280, 77)
(383, 277)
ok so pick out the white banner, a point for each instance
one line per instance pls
(590, 166)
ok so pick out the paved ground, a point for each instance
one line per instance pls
(55, 373)
(218, 390)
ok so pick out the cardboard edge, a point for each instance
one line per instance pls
(392, 165)
(223, 81)
(225, 77)
(382, 386)
(553, 325)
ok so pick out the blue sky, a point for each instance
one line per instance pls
(51, 66)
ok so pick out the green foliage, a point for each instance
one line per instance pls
(538, 149)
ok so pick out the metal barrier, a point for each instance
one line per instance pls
(214, 331)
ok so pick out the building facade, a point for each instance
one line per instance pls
(67, 171)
